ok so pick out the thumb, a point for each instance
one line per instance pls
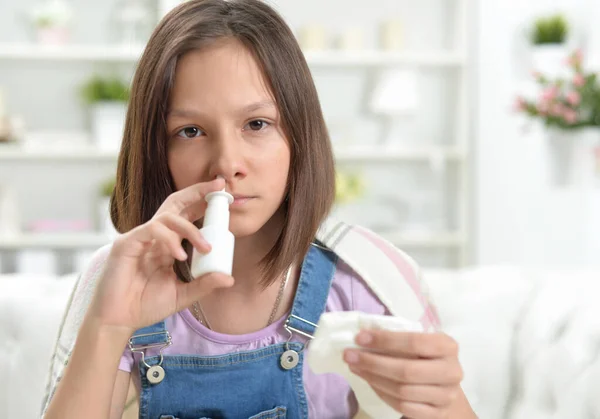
(201, 286)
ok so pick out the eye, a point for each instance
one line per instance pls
(257, 125)
(189, 132)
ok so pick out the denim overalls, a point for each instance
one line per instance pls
(252, 384)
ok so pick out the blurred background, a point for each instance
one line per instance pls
(466, 132)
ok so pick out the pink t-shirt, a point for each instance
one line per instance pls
(328, 395)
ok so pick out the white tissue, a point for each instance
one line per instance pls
(336, 332)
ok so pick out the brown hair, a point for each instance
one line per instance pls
(143, 177)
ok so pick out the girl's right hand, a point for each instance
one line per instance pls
(138, 286)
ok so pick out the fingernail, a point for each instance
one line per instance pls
(364, 338)
(351, 357)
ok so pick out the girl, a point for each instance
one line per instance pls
(223, 98)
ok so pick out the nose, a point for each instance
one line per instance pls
(227, 158)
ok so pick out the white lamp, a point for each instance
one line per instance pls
(395, 95)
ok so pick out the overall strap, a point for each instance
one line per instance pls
(155, 335)
(312, 292)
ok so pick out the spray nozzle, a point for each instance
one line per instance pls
(222, 177)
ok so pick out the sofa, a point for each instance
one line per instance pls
(529, 339)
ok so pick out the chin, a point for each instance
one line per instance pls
(246, 225)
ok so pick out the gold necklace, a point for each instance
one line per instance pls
(204, 320)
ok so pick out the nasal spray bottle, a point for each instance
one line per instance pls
(215, 229)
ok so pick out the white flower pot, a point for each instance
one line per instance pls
(550, 60)
(313, 37)
(108, 122)
(573, 157)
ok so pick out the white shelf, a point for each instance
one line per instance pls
(331, 58)
(54, 241)
(76, 241)
(382, 58)
(385, 154)
(14, 153)
(70, 53)
(77, 153)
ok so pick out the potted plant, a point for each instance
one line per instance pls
(549, 37)
(51, 20)
(570, 108)
(107, 98)
(349, 186)
(104, 221)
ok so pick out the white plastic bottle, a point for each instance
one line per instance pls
(215, 230)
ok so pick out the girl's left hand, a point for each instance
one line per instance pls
(417, 374)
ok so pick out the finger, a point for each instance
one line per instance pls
(408, 344)
(187, 293)
(170, 239)
(157, 258)
(444, 371)
(411, 409)
(155, 230)
(195, 211)
(189, 202)
(185, 229)
(161, 256)
(434, 395)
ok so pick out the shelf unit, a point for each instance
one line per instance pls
(122, 53)
(458, 153)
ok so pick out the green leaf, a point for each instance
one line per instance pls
(99, 88)
(550, 30)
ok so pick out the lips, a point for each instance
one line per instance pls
(241, 199)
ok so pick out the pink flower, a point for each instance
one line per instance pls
(557, 109)
(579, 80)
(520, 104)
(570, 116)
(576, 58)
(550, 93)
(574, 98)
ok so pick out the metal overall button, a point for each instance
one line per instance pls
(155, 373)
(289, 359)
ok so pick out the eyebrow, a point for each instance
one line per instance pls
(190, 113)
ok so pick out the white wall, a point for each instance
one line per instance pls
(521, 220)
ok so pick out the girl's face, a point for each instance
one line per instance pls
(222, 120)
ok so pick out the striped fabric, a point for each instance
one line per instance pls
(391, 274)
